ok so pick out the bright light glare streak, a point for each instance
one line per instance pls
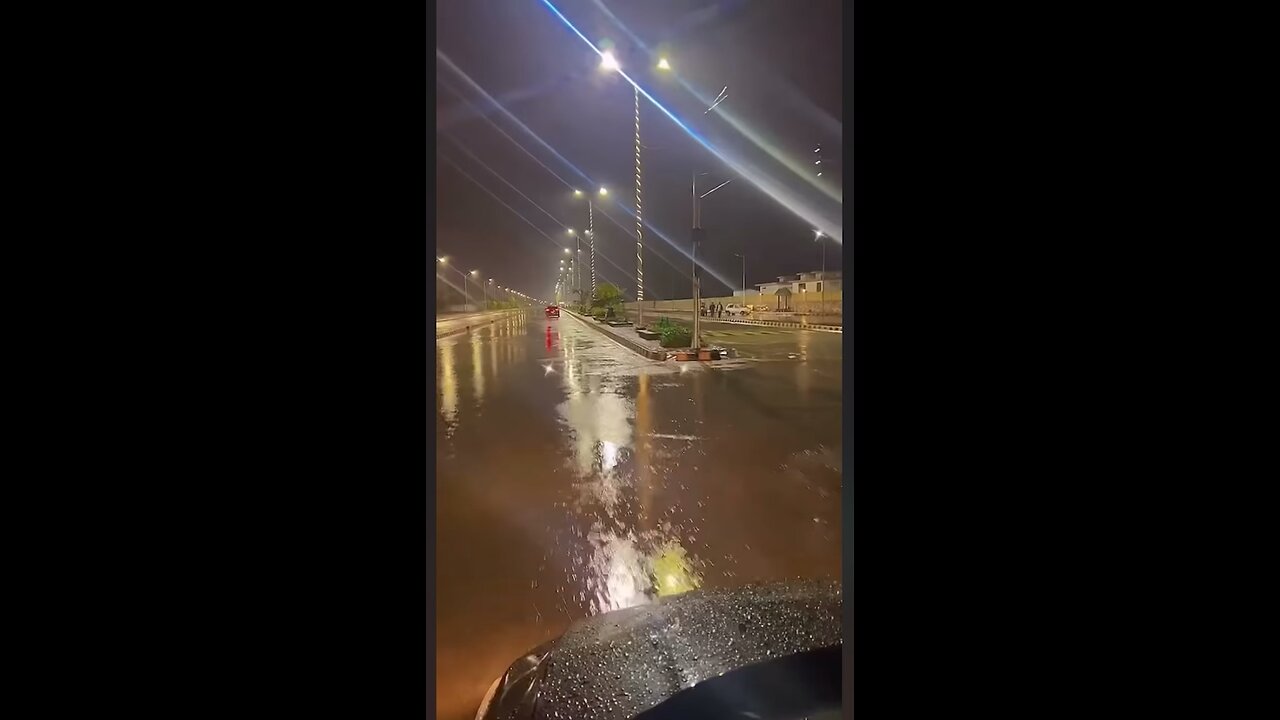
(485, 117)
(447, 281)
(504, 180)
(630, 231)
(588, 182)
(591, 183)
(781, 195)
(733, 122)
(626, 31)
(687, 255)
(495, 197)
(762, 143)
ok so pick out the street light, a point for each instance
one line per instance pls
(663, 64)
(444, 261)
(591, 237)
(609, 62)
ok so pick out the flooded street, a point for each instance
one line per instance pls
(574, 477)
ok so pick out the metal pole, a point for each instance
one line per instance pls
(639, 223)
(592, 232)
(823, 308)
(694, 261)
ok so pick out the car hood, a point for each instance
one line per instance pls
(621, 663)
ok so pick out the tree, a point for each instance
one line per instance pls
(607, 295)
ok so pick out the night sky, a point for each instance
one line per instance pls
(781, 61)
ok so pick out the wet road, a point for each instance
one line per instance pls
(575, 477)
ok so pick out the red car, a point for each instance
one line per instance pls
(553, 311)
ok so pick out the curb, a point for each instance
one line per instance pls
(481, 321)
(624, 342)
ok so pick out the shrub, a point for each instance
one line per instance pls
(675, 336)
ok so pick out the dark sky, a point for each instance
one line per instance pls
(781, 60)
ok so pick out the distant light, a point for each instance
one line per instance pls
(608, 61)
(663, 64)
(577, 193)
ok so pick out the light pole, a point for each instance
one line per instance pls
(609, 62)
(817, 237)
(697, 234)
(444, 262)
(743, 257)
(591, 234)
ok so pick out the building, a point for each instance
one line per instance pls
(780, 294)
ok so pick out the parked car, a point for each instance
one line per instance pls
(734, 309)
(553, 311)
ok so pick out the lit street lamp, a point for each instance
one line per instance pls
(444, 262)
(610, 63)
(591, 234)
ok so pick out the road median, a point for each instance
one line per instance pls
(636, 345)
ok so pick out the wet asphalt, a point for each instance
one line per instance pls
(574, 477)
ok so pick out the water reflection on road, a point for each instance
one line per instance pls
(574, 478)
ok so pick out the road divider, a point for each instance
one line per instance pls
(632, 344)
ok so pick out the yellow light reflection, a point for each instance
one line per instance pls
(448, 384)
(672, 573)
(477, 369)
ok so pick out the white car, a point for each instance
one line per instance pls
(734, 309)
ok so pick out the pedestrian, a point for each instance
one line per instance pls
(720, 310)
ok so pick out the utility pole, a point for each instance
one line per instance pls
(695, 236)
(743, 257)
